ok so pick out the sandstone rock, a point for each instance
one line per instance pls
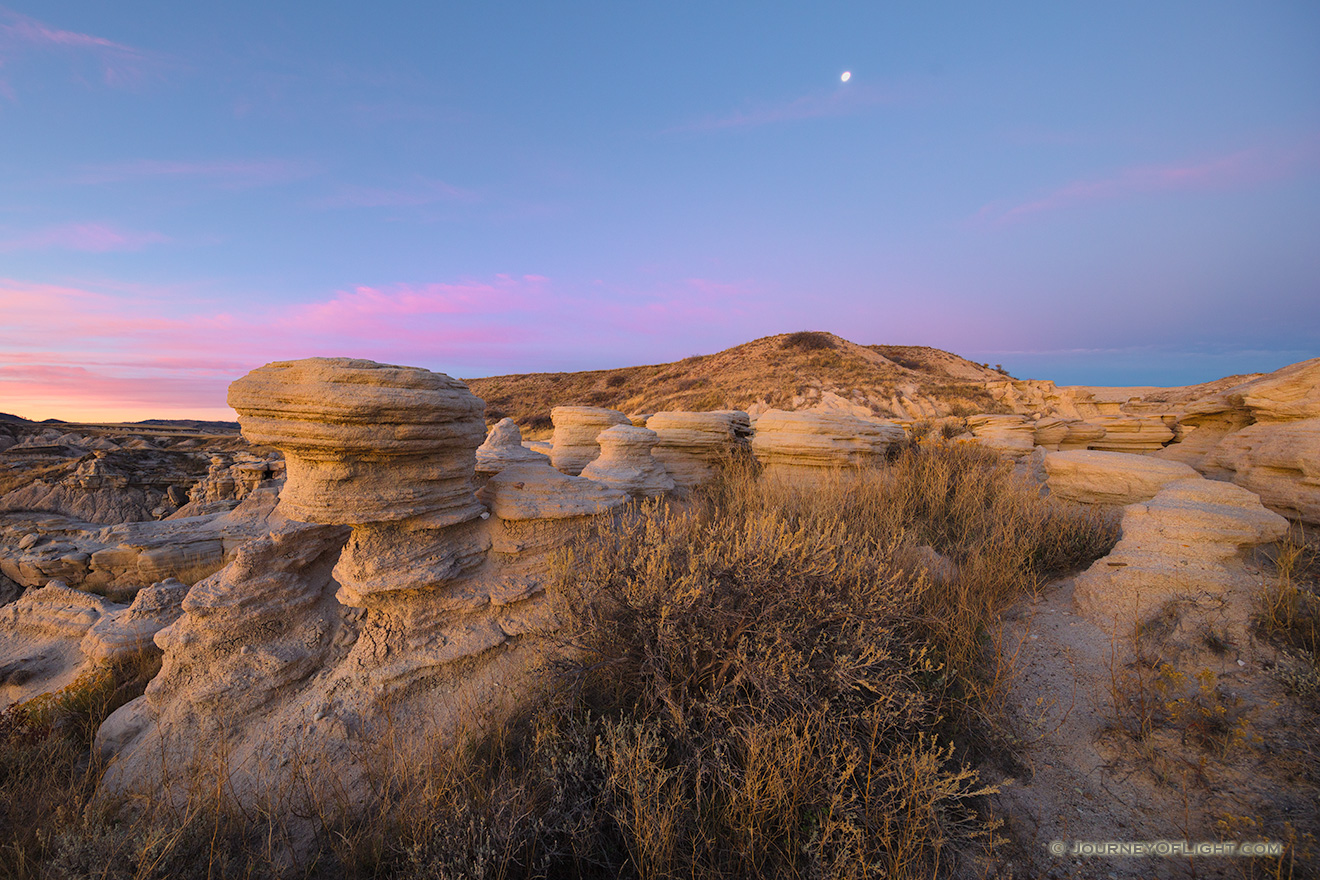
(793, 441)
(534, 491)
(1279, 461)
(503, 447)
(626, 463)
(39, 638)
(1184, 541)
(1127, 433)
(1110, 477)
(692, 445)
(576, 428)
(134, 628)
(1010, 435)
(365, 442)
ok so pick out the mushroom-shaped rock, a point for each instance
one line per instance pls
(1010, 435)
(503, 447)
(810, 440)
(626, 462)
(365, 442)
(1110, 477)
(1184, 541)
(576, 429)
(691, 445)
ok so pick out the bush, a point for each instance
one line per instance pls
(806, 340)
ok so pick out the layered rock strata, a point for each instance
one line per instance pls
(1110, 477)
(626, 462)
(386, 614)
(800, 443)
(692, 446)
(1279, 461)
(576, 429)
(1010, 435)
(1183, 543)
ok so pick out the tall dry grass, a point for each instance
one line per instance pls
(768, 680)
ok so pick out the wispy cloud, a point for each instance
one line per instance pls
(841, 101)
(237, 174)
(88, 237)
(1243, 168)
(119, 64)
(421, 191)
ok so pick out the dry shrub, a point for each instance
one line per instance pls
(807, 340)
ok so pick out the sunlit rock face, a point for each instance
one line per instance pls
(804, 443)
(576, 429)
(1279, 461)
(1110, 477)
(1183, 543)
(365, 442)
(694, 445)
(377, 602)
(504, 447)
(626, 462)
(1007, 434)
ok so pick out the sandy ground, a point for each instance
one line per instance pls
(1084, 777)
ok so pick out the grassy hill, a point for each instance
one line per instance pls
(788, 371)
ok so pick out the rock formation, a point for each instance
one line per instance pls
(1110, 477)
(378, 604)
(1010, 435)
(800, 443)
(576, 429)
(1183, 542)
(692, 445)
(626, 463)
(1279, 461)
(1128, 433)
(504, 447)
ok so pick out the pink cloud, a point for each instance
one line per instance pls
(422, 191)
(90, 237)
(69, 347)
(841, 101)
(120, 64)
(1243, 168)
(229, 173)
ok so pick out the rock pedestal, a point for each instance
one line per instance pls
(626, 463)
(576, 429)
(504, 447)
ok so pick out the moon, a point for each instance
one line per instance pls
(847, 75)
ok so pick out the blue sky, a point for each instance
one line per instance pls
(1117, 194)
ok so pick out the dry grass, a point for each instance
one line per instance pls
(763, 682)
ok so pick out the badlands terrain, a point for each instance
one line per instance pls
(802, 608)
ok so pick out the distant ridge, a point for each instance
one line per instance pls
(787, 371)
(9, 417)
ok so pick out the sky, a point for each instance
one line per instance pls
(1117, 193)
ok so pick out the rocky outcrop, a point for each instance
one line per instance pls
(576, 429)
(229, 479)
(504, 447)
(1127, 433)
(1010, 435)
(1110, 477)
(133, 629)
(387, 611)
(1279, 461)
(801, 443)
(1185, 541)
(694, 445)
(626, 463)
